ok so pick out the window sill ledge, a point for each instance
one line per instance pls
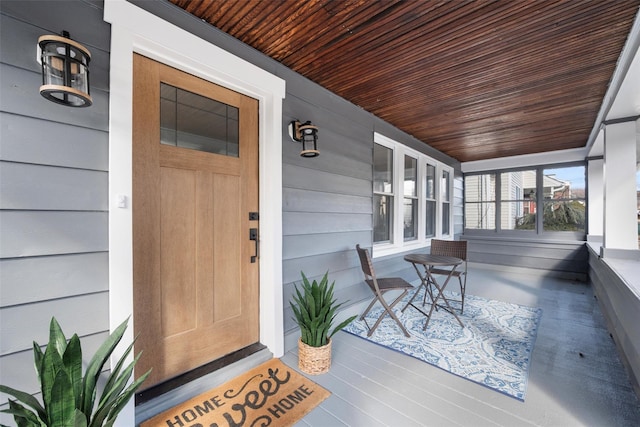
(386, 250)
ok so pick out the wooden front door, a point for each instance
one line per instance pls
(195, 181)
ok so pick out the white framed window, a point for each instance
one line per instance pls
(412, 200)
(383, 193)
(527, 201)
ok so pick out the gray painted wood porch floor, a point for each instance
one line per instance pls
(575, 378)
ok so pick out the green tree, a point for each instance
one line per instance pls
(557, 216)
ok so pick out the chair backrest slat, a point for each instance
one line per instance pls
(365, 261)
(455, 248)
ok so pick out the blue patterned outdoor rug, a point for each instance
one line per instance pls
(493, 349)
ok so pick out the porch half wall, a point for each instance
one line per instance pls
(616, 285)
(567, 259)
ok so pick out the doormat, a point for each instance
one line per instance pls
(270, 394)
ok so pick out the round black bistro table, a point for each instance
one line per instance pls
(427, 280)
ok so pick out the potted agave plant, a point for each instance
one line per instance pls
(315, 310)
(70, 398)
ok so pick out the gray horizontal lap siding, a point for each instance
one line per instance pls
(22, 142)
(57, 188)
(326, 200)
(42, 233)
(564, 259)
(81, 273)
(53, 191)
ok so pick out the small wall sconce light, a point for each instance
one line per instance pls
(307, 134)
(65, 70)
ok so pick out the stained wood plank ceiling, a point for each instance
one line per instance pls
(474, 79)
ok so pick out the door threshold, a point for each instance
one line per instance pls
(174, 391)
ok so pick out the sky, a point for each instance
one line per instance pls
(576, 175)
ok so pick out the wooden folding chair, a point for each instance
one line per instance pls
(380, 286)
(458, 249)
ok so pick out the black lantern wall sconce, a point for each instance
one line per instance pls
(307, 134)
(65, 70)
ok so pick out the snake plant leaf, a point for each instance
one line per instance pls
(298, 294)
(325, 289)
(56, 336)
(331, 315)
(305, 281)
(313, 328)
(37, 357)
(124, 397)
(62, 404)
(20, 422)
(25, 398)
(23, 416)
(95, 367)
(80, 419)
(51, 365)
(112, 393)
(297, 316)
(322, 334)
(306, 314)
(325, 312)
(342, 325)
(315, 298)
(311, 304)
(115, 375)
(72, 360)
(115, 405)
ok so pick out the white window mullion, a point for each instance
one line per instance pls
(444, 200)
(438, 233)
(422, 177)
(398, 184)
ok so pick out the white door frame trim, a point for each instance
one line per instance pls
(135, 30)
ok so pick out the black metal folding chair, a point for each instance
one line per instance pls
(458, 249)
(380, 286)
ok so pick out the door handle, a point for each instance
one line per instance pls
(253, 235)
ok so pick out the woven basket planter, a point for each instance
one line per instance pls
(314, 360)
